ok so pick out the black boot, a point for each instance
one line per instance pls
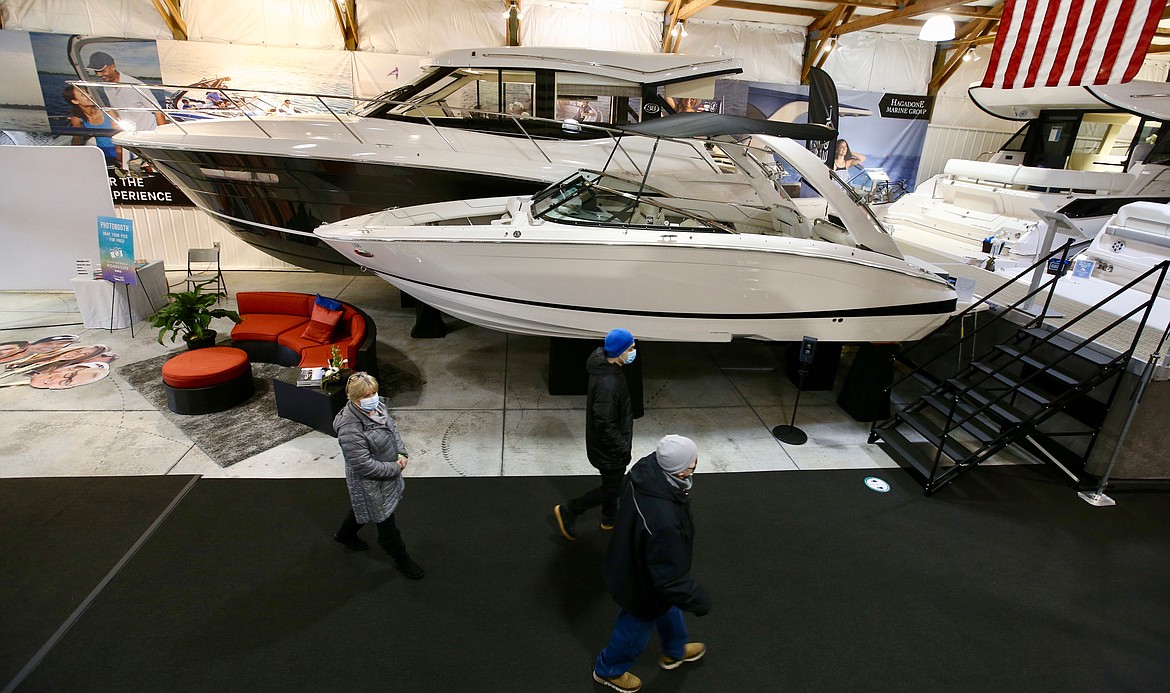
(408, 567)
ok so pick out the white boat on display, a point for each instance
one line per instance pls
(1131, 243)
(598, 250)
(1083, 154)
(476, 122)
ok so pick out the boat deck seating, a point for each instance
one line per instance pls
(1038, 179)
(1143, 222)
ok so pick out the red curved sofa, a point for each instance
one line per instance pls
(274, 323)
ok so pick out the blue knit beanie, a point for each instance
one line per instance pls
(617, 341)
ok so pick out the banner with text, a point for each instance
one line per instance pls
(116, 244)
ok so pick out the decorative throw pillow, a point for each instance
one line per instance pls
(328, 303)
(322, 323)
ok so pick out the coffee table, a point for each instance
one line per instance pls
(312, 406)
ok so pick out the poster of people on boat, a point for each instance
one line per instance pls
(80, 115)
(880, 139)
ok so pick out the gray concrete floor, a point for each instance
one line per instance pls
(480, 406)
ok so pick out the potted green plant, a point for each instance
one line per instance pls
(190, 313)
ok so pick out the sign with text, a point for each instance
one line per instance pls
(146, 189)
(906, 106)
(116, 244)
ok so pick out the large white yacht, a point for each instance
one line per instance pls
(476, 123)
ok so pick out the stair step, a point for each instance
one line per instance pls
(1020, 356)
(999, 376)
(932, 432)
(1064, 343)
(981, 399)
(917, 457)
(983, 431)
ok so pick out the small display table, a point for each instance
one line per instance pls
(102, 305)
(312, 406)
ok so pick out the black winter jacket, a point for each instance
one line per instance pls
(648, 564)
(609, 414)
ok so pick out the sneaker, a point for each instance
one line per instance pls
(692, 652)
(354, 543)
(626, 682)
(565, 522)
(410, 569)
(607, 525)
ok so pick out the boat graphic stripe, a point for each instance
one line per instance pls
(931, 308)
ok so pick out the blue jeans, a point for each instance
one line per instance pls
(630, 635)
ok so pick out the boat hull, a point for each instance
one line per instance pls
(274, 203)
(778, 290)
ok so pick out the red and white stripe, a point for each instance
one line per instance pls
(1071, 42)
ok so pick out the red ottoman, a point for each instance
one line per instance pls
(203, 381)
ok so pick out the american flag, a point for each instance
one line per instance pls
(1071, 42)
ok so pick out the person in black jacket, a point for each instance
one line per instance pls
(648, 565)
(609, 430)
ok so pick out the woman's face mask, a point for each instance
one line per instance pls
(369, 403)
(630, 356)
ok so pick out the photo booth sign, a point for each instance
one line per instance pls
(116, 244)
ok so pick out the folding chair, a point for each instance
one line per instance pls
(203, 266)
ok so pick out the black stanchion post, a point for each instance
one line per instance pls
(789, 433)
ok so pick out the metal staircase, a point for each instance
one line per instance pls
(1041, 388)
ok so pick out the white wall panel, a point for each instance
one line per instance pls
(945, 143)
(548, 23)
(165, 233)
(50, 199)
(126, 18)
(869, 61)
(426, 27)
(290, 23)
(770, 52)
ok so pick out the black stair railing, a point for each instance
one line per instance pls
(1068, 352)
(964, 336)
(984, 408)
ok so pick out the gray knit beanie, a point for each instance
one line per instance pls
(675, 453)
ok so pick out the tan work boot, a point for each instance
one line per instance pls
(693, 651)
(626, 682)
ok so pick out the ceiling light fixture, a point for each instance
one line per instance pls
(970, 55)
(940, 27)
(679, 29)
(830, 44)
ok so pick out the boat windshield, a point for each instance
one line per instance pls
(592, 198)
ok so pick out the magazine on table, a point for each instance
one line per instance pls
(311, 377)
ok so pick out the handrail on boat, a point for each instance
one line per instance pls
(239, 100)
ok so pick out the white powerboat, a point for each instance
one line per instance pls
(1080, 154)
(475, 123)
(598, 250)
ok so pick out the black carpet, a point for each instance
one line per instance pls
(1003, 581)
(60, 537)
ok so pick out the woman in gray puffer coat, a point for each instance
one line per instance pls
(375, 458)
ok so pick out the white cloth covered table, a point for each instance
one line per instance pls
(98, 301)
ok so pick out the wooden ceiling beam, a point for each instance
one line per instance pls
(918, 8)
(690, 9)
(772, 9)
(169, 11)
